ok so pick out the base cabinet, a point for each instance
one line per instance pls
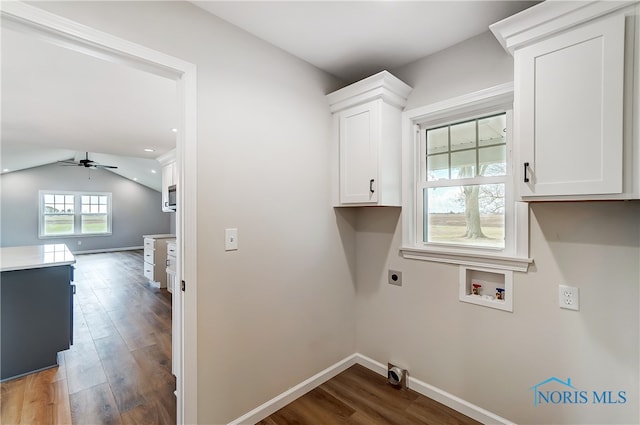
(155, 259)
(37, 318)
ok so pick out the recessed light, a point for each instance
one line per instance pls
(149, 150)
(175, 130)
(6, 170)
(153, 171)
(135, 179)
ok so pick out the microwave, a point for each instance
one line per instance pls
(172, 198)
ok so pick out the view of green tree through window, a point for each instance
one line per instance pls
(464, 189)
(74, 213)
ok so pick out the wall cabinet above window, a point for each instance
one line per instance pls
(576, 100)
(367, 141)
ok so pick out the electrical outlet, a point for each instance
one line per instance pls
(569, 297)
(395, 277)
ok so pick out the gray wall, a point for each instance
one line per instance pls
(490, 357)
(136, 208)
(280, 309)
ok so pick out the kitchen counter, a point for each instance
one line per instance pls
(164, 236)
(34, 257)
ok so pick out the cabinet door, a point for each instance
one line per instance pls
(359, 142)
(168, 178)
(569, 111)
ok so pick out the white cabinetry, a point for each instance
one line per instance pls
(576, 90)
(169, 177)
(367, 141)
(155, 259)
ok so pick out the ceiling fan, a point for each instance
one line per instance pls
(86, 162)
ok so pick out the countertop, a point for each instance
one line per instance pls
(34, 257)
(165, 236)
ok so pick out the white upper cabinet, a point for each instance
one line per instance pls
(367, 141)
(169, 172)
(576, 90)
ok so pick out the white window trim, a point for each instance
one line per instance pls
(515, 256)
(77, 215)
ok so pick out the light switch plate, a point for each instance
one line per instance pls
(231, 239)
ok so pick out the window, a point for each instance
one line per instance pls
(74, 214)
(460, 206)
(463, 182)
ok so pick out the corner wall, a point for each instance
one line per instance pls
(136, 208)
(489, 357)
(280, 309)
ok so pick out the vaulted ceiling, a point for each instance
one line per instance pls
(58, 103)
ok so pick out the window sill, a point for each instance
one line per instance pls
(500, 262)
(74, 235)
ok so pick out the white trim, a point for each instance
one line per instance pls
(548, 18)
(73, 35)
(278, 402)
(515, 255)
(99, 251)
(434, 393)
(382, 85)
(516, 264)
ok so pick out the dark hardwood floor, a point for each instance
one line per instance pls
(359, 396)
(118, 371)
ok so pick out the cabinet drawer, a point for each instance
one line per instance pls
(148, 271)
(149, 255)
(171, 249)
(149, 243)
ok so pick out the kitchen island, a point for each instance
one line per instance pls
(36, 299)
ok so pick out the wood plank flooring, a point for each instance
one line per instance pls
(118, 371)
(359, 396)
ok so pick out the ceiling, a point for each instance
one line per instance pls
(356, 39)
(58, 103)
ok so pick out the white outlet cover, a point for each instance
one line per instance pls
(568, 297)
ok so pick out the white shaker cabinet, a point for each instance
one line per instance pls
(168, 162)
(575, 85)
(155, 258)
(367, 141)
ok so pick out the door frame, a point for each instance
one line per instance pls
(81, 38)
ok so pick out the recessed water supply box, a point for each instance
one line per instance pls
(487, 287)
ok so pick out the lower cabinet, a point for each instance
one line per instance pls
(155, 259)
(36, 318)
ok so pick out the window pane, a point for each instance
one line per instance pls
(58, 224)
(94, 199)
(493, 161)
(86, 199)
(438, 167)
(437, 140)
(102, 209)
(103, 200)
(463, 136)
(492, 130)
(463, 164)
(86, 209)
(465, 215)
(49, 199)
(68, 199)
(94, 224)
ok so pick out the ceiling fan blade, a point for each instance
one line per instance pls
(103, 166)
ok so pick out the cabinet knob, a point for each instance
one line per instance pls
(371, 185)
(526, 178)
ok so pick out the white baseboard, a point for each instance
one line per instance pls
(441, 396)
(98, 251)
(278, 402)
(449, 400)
